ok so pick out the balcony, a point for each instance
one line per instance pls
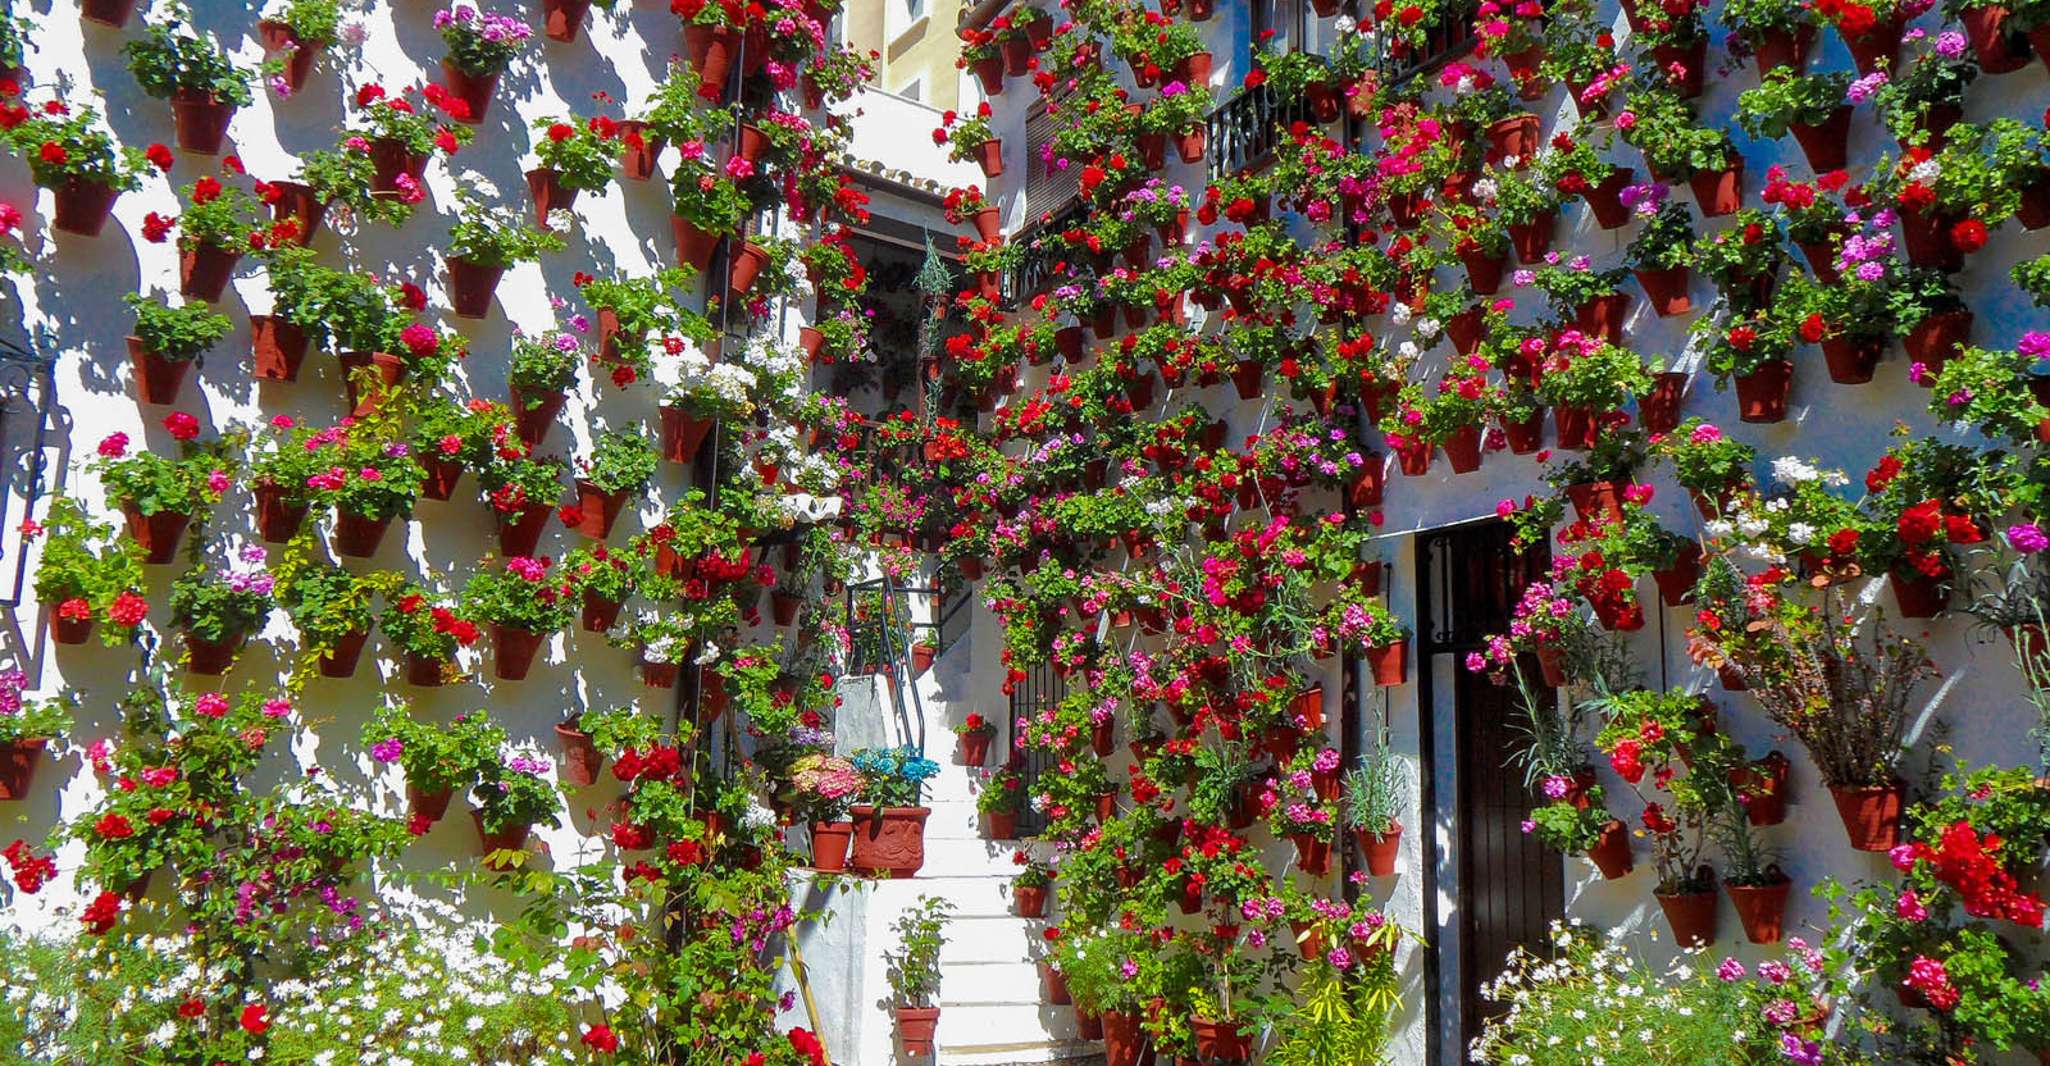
(1243, 132)
(1034, 272)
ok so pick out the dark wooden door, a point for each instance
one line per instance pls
(1510, 887)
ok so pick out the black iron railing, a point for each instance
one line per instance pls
(1242, 133)
(1034, 272)
(1450, 35)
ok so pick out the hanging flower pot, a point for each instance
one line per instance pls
(1322, 96)
(1824, 143)
(1602, 316)
(156, 378)
(1871, 813)
(1533, 239)
(598, 509)
(1483, 271)
(357, 536)
(1053, 988)
(1526, 436)
(70, 630)
(1666, 289)
(1611, 853)
(1659, 409)
(82, 207)
(18, 759)
(659, 675)
(783, 607)
(390, 159)
(1605, 198)
(694, 246)
(990, 72)
(1190, 144)
(474, 90)
(1925, 235)
(1596, 501)
(471, 287)
(1692, 916)
(1390, 663)
(1877, 47)
(1031, 900)
(113, 13)
(1781, 48)
(204, 270)
(1676, 582)
(211, 658)
(296, 203)
(1551, 666)
(510, 838)
(599, 614)
(157, 534)
(1221, 1042)
(390, 370)
(520, 531)
(580, 757)
(710, 51)
(1691, 60)
(1762, 908)
(745, 267)
(276, 347)
(1938, 337)
(1762, 394)
(829, 841)
(1515, 137)
(1763, 787)
(1379, 850)
(533, 413)
(682, 433)
(340, 660)
(427, 671)
(1415, 458)
(443, 474)
(514, 650)
(201, 120)
(278, 518)
(1852, 359)
(888, 840)
(1247, 376)
(1718, 192)
(1463, 449)
(990, 156)
(1619, 615)
(431, 806)
(973, 747)
(562, 18)
(1919, 595)
(639, 151)
(544, 185)
(299, 55)
(1312, 854)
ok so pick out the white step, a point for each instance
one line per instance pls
(975, 941)
(1086, 1052)
(995, 1027)
(966, 857)
(986, 983)
(973, 897)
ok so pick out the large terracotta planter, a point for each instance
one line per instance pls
(1762, 394)
(888, 840)
(1611, 853)
(82, 207)
(18, 760)
(915, 1026)
(204, 271)
(341, 660)
(474, 90)
(356, 536)
(513, 651)
(581, 759)
(1762, 908)
(156, 378)
(829, 841)
(511, 838)
(1871, 814)
(276, 347)
(1692, 916)
(1379, 850)
(157, 534)
(200, 120)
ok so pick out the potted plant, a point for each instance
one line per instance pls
(588, 737)
(1029, 885)
(301, 30)
(1376, 793)
(573, 158)
(697, 402)
(1751, 350)
(1585, 830)
(217, 225)
(1661, 257)
(621, 462)
(370, 482)
(1586, 380)
(333, 610)
(604, 580)
(970, 138)
(510, 798)
(69, 154)
(165, 343)
(159, 495)
(481, 44)
(632, 311)
(913, 968)
(524, 603)
(219, 608)
(889, 826)
(523, 493)
(427, 632)
(705, 206)
(399, 138)
(483, 244)
(83, 571)
(26, 728)
(825, 785)
(437, 761)
(172, 61)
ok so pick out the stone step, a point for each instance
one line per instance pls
(966, 856)
(1076, 1052)
(973, 897)
(978, 941)
(966, 1032)
(989, 983)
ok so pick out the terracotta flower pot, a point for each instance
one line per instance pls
(389, 369)
(1918, 595)
(1551, 666)
(1312, 854)
(745, 267)
(1611, 853)
(340, 660)
(1031, 900)
(300, 56)
(357, 536)
(990, 72)
(1718, 192)
(659, 675)
(974, 748)
(157, 534)
(513, 651)
(1762, 908)
(82, 207)
(1390, 663)
(511, 838)
(580, 757)
(1533, 240)
(534, 413)
(1659, 409)
(472, 286)
(1053, 988)
(1088, 1026)
(1676, 583)
(682, 433)
(69, 630)
(544, 186)
(1825, 142)
(1762, 394)
(990, 156)
(1463, 449)
(1513, 137)
(156, 378)
(639, 151)
(1780, 48)
(888, 840)
(200, 120)
(520, 532)
(1937, 338)
(442, 477)
(1871, 814)
(1605, 198)
(694, 246)
(18, 761)
(562, 18)
(390, 160)
(1596, 500)
(474, 90)
(425, 671)
(278, 518)
(433, 806)
(113, 13)
(1483, 272)
(297, 204)
(204, 271)
(599, 614)
(829, 841)
(1925, 236)
(211, 658)
(599, 509)
(1415, 459)
(922, 656)
(276, 347)
(1221, 1042)
(1667, 290)
(1379, 850)
(710, 51)
(1880, 45)
(1763, 784)
(1852, 360)
(915, 1027)
(1247, 376)
(1123, 1039)
(1692, 916)
(1602, 316)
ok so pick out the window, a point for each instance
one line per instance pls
(1046, 189)
(899, 16)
